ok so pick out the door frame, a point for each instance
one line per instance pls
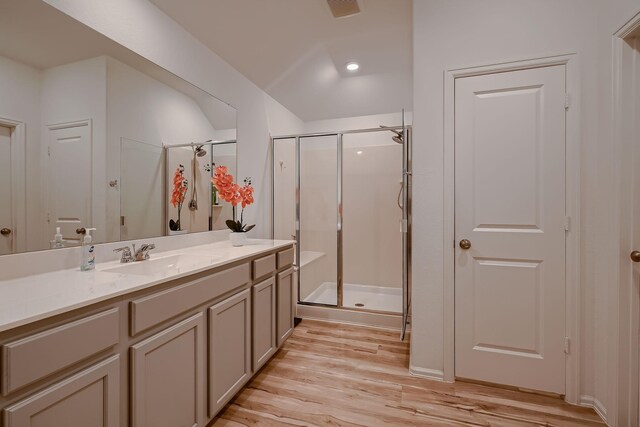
(623, 369)
(572, 208)
(18, 183)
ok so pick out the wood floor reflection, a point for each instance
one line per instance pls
(345, 375)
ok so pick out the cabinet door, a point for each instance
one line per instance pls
(229, 349)
(264, 322)
(285, 305)
(167, 388)
(91, 398)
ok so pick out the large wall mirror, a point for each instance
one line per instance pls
(92, 136)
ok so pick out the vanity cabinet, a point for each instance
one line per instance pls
(170, 355)
(264, 322)
(229, 349)
(284, 306)
(91, 398)
(167, 371)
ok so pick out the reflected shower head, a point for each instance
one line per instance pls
(399, 138)
(200, 151)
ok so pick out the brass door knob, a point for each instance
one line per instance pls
(5, 231)
(635, 256)
(465, 244)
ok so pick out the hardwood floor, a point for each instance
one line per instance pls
(344, 375)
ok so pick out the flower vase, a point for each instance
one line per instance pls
(238, 239)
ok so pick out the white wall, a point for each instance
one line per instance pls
(20, 101)
(494, 31)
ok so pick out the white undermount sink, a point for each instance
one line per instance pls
(172, 264)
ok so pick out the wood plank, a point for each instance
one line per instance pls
(346, 375)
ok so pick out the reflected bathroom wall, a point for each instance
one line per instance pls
(85, 125)
(202, 209)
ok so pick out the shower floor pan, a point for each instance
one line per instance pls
(378, 298)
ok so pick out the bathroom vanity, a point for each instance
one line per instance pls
(165, 342)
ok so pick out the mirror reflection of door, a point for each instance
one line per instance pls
(70, 176)
(141, 190)
(6, 219)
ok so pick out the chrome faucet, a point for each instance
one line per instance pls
(142, 254)
(126, 254)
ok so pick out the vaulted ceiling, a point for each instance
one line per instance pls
(297, 51)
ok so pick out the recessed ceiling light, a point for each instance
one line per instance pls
(358, 152)
(353, 66)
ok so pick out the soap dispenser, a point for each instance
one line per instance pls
(58, 242)
(88, 261)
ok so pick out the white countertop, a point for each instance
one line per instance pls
(28, 299)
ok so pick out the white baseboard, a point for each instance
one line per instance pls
(595, 404)
(426, 373)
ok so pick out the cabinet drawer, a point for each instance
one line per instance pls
(154, 309)
(90, 398)
(285, 258)
(264, 266)
(37, 356)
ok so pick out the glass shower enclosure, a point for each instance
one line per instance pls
(346, 198)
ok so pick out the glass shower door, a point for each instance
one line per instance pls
(318, 203)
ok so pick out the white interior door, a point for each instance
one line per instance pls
(6, 206)
(70, 178)
(510, 206)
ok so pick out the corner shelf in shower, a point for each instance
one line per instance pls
(307, 257)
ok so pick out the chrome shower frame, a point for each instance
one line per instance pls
(406, 132)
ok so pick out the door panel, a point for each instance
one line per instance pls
(510, 203)
(6, 217)
(229, 349)
(284, 306)
(69, 194)
(167, 369)
(263, 299)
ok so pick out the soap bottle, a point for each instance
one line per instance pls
(57, 239)
(88, 261)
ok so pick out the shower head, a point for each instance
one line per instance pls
(399, 138)
(200, 151)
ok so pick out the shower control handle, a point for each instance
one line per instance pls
(465, 244)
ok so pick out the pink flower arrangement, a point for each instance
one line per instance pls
(180, 187)
(235, 194)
